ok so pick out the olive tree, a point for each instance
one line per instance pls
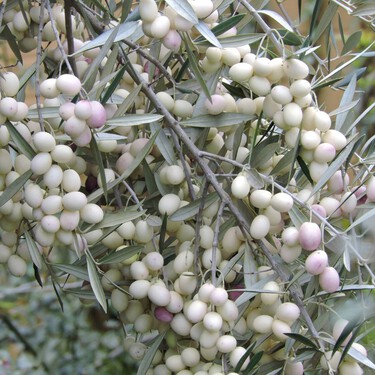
(174, 159)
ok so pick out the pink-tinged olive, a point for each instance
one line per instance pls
(310, 236)
(67, 110)
(98, 117)
(216, 105)
(172, 40)
(335, 138)
(316, 262)
(329, 280)
(83, 110)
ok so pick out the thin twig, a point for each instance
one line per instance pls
(57, 37)
(215, 243)
(69, 35)
(37, 65)
(263, 25)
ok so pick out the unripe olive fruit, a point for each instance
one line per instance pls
(41, 163)
(281, 94)
(216, 105)
(154, 261)
(182, 108)
(226, 343)
(148, 10)
(159, 295)
(260, 227)
(218, 296)
(119, 300)
(68, 84)
(261, 86)
(169, 204)
(91, 213)
(160, 27)
(196, 311)
(48, 88)
(310, 236)
(98, 116)
(62, 154)
(241, 72)
(295, 69)
(260, 198)
(183, 262)
(8, 107)
(288, 312)
(139, 288)
(240, 187)
(282, 202)
(300, 88)
(236, 355)
(9, 83)
(292, 114)
(16, 265)
(180, 324)
(172, 40)
(50, 223)
(324, 153)
(166, 100)
(322, 120)
(190, 357)
(175, 175)
(350, 368)
(269, 298)
(329, 280)
(335, 138)
(213, 321)
(316, 262)
(230, 56)
(263, 324)
(83, 110)
(279, 328)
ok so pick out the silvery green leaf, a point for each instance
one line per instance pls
(184, 9)
(95, 283)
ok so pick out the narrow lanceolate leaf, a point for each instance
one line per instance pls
(76, 271)
(96, 285)
(334, 166)
(22, 145)
(364, 10)
(352, 42)
(224, 119)
(325, 21)
(206, 32)
(318, 83)
(35, 255)
(14, 187)
(361, 219)
(150, 354)
(47, 112)
(134, 164)
(302, 339)
(6, 34)
(134, 120)
(114, 85)
(100, 164)
(125, 30)
(193, 60)
(115, 219)
(192, 208)
(184, 9)
(277, 17)
(224, 26)
(164, 145)
(120, 255)
(347, 99)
